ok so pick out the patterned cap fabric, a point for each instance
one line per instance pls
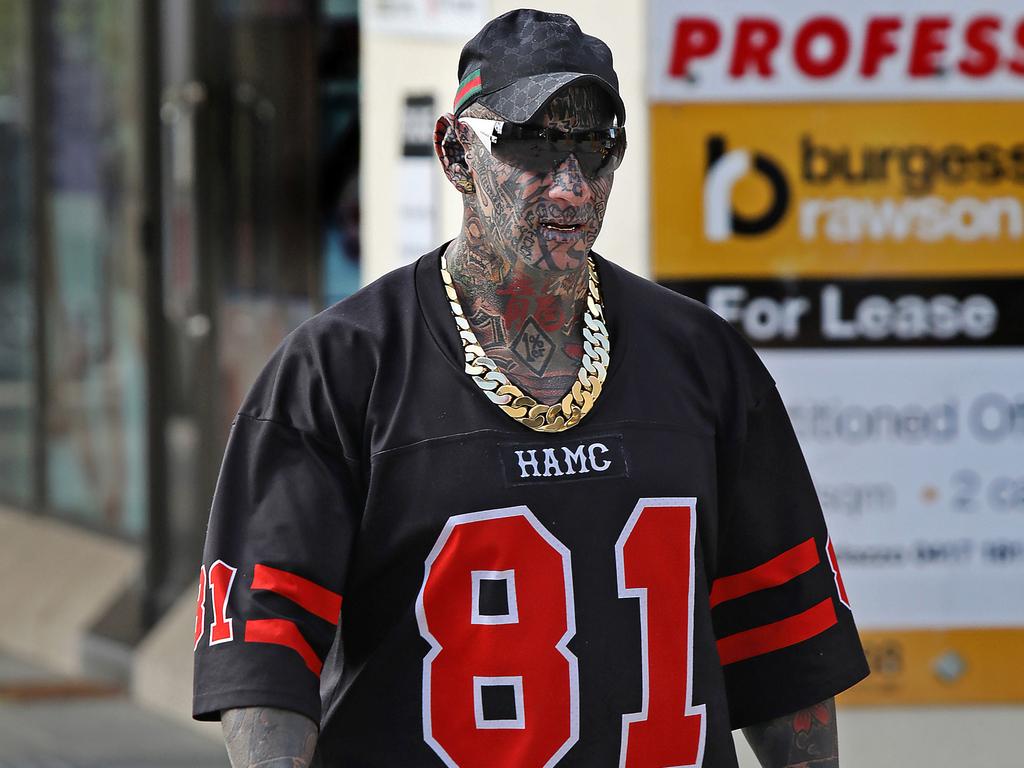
(519, 60)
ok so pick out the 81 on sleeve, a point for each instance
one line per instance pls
(500, 686)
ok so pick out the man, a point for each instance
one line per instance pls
(512, 505)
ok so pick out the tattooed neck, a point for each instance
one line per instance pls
(526, 318)
(520, 275)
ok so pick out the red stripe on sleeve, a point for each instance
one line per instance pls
(778, 634)
(776, 571)
(283, 632)
(312, 597)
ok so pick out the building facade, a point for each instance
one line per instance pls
(181, 189)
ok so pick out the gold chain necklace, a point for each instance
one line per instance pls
(511, 399)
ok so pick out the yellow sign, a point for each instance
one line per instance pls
(844, 189)
(953, 666)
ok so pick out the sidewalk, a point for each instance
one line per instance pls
(48, 721)
(51, 722)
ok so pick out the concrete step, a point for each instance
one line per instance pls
(49, 720)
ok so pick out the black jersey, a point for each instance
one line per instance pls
(435, 584)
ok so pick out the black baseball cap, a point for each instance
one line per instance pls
(519, 60)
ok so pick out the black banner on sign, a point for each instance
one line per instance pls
(867, 313)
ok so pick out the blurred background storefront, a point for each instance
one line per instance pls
(180, 189)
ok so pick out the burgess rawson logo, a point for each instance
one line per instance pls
(871, 191)
(724, 170)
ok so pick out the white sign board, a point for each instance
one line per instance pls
(788, 139)
(918, 459)
(806, 50)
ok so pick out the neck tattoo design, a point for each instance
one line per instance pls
(577, 402)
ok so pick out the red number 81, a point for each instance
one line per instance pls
(521, 649)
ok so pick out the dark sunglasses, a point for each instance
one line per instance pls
(532, 148)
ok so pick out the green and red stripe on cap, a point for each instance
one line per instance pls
(470, 86)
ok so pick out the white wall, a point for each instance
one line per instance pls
(394, 67)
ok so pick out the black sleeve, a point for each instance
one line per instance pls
(785, 632)
(285, 512)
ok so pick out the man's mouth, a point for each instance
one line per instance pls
(561, 230)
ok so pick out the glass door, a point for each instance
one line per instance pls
(18, 409)
(259, 153)
(243, 216)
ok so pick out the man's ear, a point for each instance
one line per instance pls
(452, 154)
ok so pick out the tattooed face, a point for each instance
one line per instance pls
(549, 219)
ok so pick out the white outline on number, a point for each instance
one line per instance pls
(837, 578)
(516, 682)
(641, 594)
(511, 616)
(223, 614)
(200, 608)
(561, 646)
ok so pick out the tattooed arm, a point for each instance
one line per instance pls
(264, 737)
(804, 739)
